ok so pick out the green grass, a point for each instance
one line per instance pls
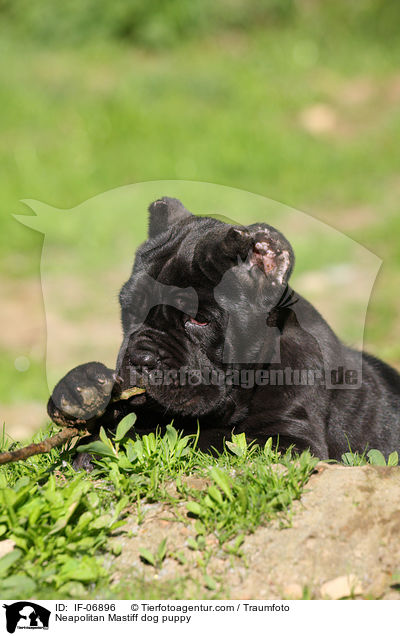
(66, 527)
(130, 116)
(373, 457)
(15, 385)
(61, 522)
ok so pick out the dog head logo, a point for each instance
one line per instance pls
(26, 615)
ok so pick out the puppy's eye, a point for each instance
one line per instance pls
(193, 321)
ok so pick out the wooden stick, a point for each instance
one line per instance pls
(63, 436)
(42, 447)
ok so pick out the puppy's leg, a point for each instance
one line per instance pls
(82, 395)
(88, 398)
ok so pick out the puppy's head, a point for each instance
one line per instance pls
(197, 304)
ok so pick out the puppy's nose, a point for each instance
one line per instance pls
(143, 358)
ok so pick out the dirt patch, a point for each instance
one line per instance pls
(356, 92)
(343, 541)
(350, 108)
(319, 119)
(350, 219)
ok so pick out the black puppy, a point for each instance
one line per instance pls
(216, 336)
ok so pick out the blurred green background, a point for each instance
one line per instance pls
(296, 100)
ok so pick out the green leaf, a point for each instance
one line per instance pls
(376, 458)
(162, 550)
(194, 508)
(171, 436)
(74, 589)
(393, 459)
(348, 459)
(239, 541)
(147, 556)
(62, 522)
(243, 498)
(139, 449)
(104, 521)
(20, 541)
(21, 483)
(240, 441)
(122, 503)
(124, 463)
(8, 560)
(17, 586)
(200, 527)
(124, 426)
(235, 449)
(149, 443)
(116, 549)
(130, 450)
(215, 494)
(222, 480)
(93, 499)
(268, 447)
(106, 440)
(34, 515)
(86, 569)
(192, 543)
(181, 447)
(209, 582)
(180, 557)
(98, 448)
(210, 503)
(154, 478)
(117, 524)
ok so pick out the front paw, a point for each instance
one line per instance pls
(82, 395)
(83, 461)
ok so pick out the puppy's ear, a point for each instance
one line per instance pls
(163, 213)
(276, 265)
(271, 253)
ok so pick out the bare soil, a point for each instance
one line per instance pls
(343, 542)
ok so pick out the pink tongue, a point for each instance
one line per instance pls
(197, 322)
